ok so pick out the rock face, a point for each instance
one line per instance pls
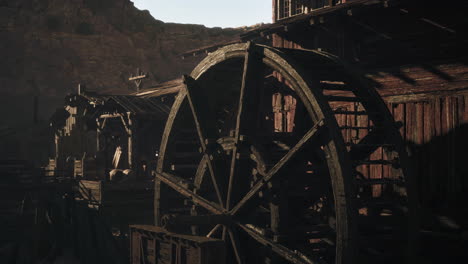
(48, 47)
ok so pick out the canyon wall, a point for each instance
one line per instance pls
(48, 47)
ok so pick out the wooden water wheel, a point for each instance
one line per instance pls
(254, 153)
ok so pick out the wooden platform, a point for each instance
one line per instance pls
(100, 193)
(152, 244)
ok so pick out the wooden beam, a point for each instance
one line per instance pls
(236, 247)
(174, 221)
(252, 81)
(423, 96)
(135, 78)
(110, 115)
(259, 185)
(182, 187)
(199, 175)
(214, 230)
(205, 128)
(291, 256)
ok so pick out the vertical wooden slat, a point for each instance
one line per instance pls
(409, 110)
(290, 111)
(426, 151)
(399, 116)
(465, 109)
(386, 155)
(455, 183)
(437, 117)
(376, 173)
(419, 140)
(420, 123)
(274, 10)
(346, 122)
(428, 124)
(359, 121)
(436, 145)
(444, 147)
(460, 110)
(410, 134)
(277, 112)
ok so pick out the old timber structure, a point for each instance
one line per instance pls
(336, 134)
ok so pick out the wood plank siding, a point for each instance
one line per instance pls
(417, 61)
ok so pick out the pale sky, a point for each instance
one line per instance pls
(211, 13)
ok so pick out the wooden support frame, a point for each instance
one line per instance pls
(323, 132)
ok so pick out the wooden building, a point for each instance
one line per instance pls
(236, 154)
(74, 129)
(415, 53)
(98, 133)
(108, 144)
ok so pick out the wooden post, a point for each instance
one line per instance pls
(274, 10)
(278, 9)
(138, 79)
(131, 141)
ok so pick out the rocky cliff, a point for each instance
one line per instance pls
(49, 46)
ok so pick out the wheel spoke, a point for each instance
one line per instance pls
(259, 185)
(235, 246)
(252, 82)
(367, 145)
(214, 230)
(286, 253)
(183, 187)
(199, 175)
(204, 130)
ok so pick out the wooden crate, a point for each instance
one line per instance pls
(151, 245)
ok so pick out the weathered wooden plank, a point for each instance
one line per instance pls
(386, 154)
(376, 172)
(437, 117)
(273, 171)
(426, 156)
(428, 124)
(178, 185)
(361, 121)
(465, 109)
(409, 126)
(419, 123)
(454, 181)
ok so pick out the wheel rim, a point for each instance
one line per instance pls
(256, 55)
(235, 176)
